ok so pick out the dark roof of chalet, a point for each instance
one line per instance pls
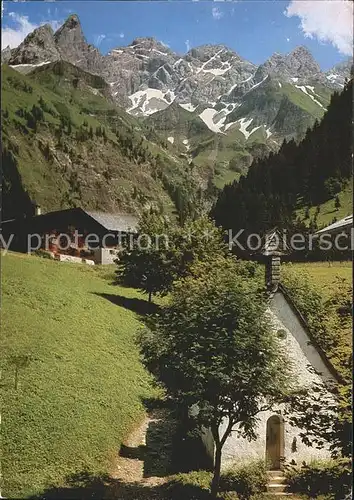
(111, 222)
(115, 221)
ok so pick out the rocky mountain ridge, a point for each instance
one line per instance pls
(213, 81)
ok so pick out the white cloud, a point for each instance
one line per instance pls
(216, 13)
(121, 35)
(328, 21)
(288, 39)
(188, 45)
(14, 36)
(99, 39)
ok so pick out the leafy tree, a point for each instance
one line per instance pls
(199, 241)
(324, 416)
(164, 252)
(151, 264)
(337, 203)
(19, 362)
(213, 349)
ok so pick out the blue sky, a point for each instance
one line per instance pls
(254, 29)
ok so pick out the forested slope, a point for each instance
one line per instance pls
(301, 175)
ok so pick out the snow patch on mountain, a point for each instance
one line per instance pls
(332, 77)
(159, 52)
(218, 71)
(239, 83)
(268, 132)
(149, 101)
(257, 85)
(304, 88)
(188, 107)
(244, 124)
(208, 118)
(171, 139)
(209, 60)
(15, 66)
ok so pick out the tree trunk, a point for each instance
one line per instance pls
(150, 295)
(217, 468)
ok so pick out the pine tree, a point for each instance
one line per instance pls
(337, 203)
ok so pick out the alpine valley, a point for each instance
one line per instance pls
(144, 126)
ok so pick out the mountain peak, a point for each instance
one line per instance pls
(301, 49)
(72, 23)
(44, 29)
(38, 46)
(149, 43)
(6, 54)
(301, 52)
(142, 39)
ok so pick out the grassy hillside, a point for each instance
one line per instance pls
(328, 210)
(290, 109)
(80, 381)
(180, 124)
(211, 153)
(66, 144)
(324, 275)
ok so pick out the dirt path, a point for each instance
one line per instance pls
(144, 460)
(130, 465)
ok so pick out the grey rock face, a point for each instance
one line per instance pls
(38, 47)
(337, 76)
(73, 47)
(298, 64)
(68, 43)
(146, 76)
(5, 55)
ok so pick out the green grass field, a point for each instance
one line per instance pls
(328, 210)
(82, 384)
(324, 274)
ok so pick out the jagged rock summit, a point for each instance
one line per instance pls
(5, 54)
(67, 43)
(38, 47)
(146, 76)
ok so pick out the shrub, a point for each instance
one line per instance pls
(228, 495)
(43, 253)
(190, 486)
(195, 485)
(246, 480)
(331, 478)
